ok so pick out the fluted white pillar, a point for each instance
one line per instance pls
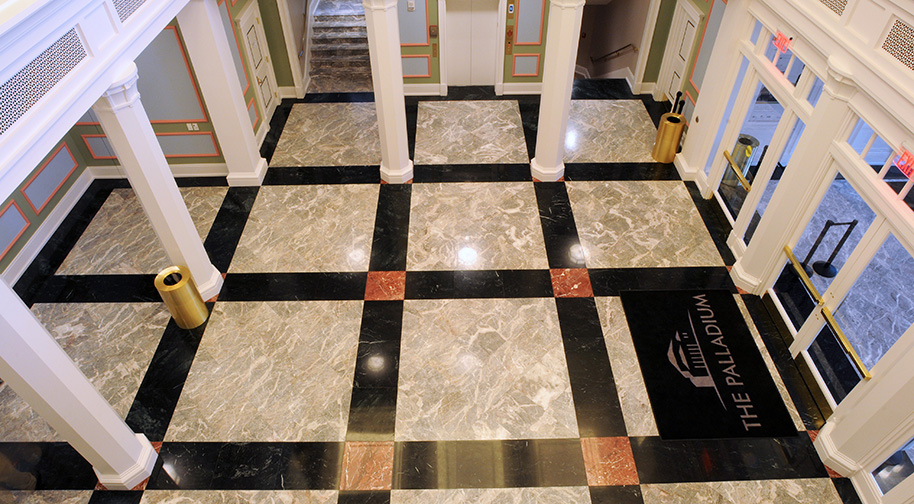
(207, 46)
(43, 375)
(126, 124)
(387, 75)
(558, 77)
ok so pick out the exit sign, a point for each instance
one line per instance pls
(905, 163)
(782, 42)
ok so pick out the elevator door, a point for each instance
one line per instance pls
(472, 28)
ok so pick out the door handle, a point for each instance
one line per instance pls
(259, 81)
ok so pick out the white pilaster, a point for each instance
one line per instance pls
(126, 124)
(387, 75)
(793, 202)
(207, 46)
(43, 375)
(558, 76)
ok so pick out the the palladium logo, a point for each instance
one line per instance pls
(701, 355)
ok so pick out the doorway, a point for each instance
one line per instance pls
(258, 55)
(472, 42)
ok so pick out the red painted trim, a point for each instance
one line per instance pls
(700, 43)
(193, 83)
(428, 41)
(514, 66)
(427, 57)
(689, 96)
(238, 45)
(21, 232)
(257, 112)
(96, 123)
(517, 23)
(38, 172)
(189, 133)
(89, 146)
(234, 2)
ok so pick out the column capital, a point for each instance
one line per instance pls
(840, 80)
(123, 91)
(378, 5)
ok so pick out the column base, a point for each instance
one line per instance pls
(546, 174)
(744, 280)
(210, 287)
(251, 178)
(830, 455)
(136, 474)
(400, 176)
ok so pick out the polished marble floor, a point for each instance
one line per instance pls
(457, 339)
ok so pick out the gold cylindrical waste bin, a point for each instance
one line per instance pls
(668, 135)
(181, 296)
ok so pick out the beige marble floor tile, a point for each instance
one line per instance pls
(629, 224)
(308, 228)
(546, 495)
(239, 497)
(609, 131)
(636, 405)
(475, 226)
(790, 491)
(474, 369)
(120, 239)
(329, 134)
(46, 497)
(271, 371)
(769, 363)
(470, 132)
(111, 343)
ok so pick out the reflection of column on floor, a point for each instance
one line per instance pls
(126, 124)
(42, 374)
(558, 75)
(207, 46)
(387, 76)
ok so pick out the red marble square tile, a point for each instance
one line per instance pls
(813, 434)
(609, 461)
(216, 297)
(385, 285)
(571, 283)
(367, 465)
(561, 179)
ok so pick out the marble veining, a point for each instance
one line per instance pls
(271, 371)
(470, 132)
(459, 226)
(788, 491)
(329, 134)
(46, 497)
(349, 83)
(308, 228)
(629, 224)
(609, 131)
(111, 343)
(239, 496)
(120, 239)
(769, 363)
(636, 406)
(475, 369)
(540, 495)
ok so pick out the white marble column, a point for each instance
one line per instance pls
(211, 57)
(796, 196)
(43, 375)
(558, 77)
(387, 75)
(126, 124)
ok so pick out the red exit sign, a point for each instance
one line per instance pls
(782, 42)
(905, 163)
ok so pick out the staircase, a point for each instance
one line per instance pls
(339, 48)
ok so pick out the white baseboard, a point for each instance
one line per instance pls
(523, 88)
(33, 246)
(647, 88)
(830, 454)
(430, 89)
(442, 89)
(621, 73)
(179, 170)
(288, 92)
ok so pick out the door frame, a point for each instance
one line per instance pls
(251, 12)
(298, 90)
(685, 11)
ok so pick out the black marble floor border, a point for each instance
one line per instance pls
(364, 497)
(432, 174)
(54, 465)
(612, 281)
(391, 229)
(593, 388)
(116, 497)
(324, 175)
(372, 410)
(560, 233)
(626, 494)
(98, 289)
(620, 171)
(715, 220)
(478, 284)
(225, 233)
(293, 287)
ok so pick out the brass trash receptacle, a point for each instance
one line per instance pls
(181, 296)
(668, 135)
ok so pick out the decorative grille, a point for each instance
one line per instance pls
(836, 5)
(38, 77)
(900, 43)
(125, 8)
